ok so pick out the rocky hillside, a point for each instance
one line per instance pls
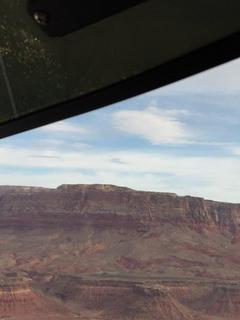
(106, 252)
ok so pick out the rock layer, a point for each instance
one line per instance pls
(106, 204)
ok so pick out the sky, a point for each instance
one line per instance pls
(182, 138)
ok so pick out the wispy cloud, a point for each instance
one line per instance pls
(39, 156)
(154, 125)
(65, 127)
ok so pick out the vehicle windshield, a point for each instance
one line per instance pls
(128, 212)
(38, 72)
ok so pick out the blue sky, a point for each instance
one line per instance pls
(182, 138)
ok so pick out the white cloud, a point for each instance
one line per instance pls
(152, 124)
(64, 127)
(235, 150)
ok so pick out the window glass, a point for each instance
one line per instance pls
(128, 212)
(37, 72)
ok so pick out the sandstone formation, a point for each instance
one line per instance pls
(71, 204)
(105, 252)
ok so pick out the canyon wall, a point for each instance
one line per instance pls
(110, 205)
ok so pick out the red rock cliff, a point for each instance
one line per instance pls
(106, 204)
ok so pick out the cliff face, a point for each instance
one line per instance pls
(107, 252)
(104, 228)
(111, 205)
